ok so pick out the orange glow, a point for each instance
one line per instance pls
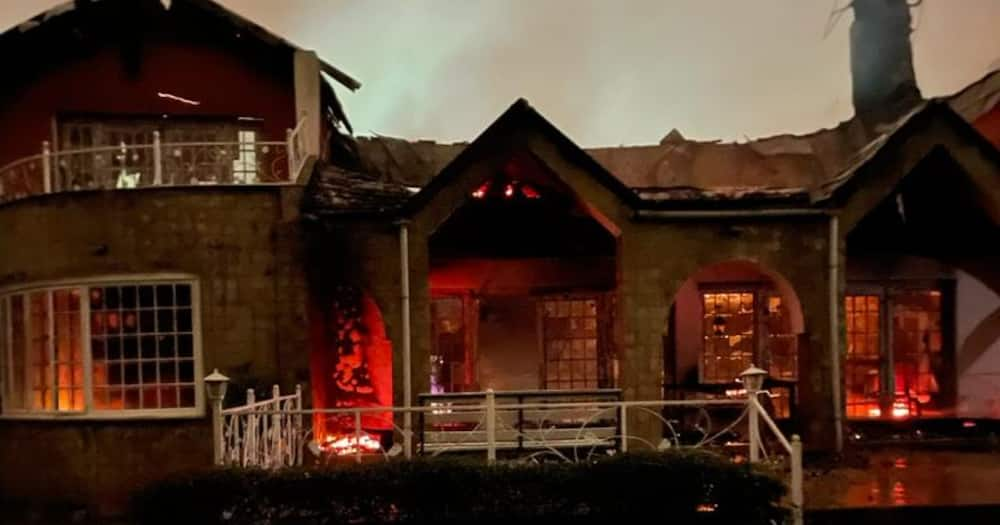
(875, 412)
(508, 191)
(900, 410)
(481, 190)
(346, 445)
(351, 366)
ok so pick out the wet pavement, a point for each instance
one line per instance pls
(898, 477)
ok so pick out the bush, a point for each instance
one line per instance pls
(675, 487)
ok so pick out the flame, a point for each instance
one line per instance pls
(345, 445)
(900, 410)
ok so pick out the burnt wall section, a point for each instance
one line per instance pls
(244, 247)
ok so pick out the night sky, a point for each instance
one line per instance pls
(606, 72)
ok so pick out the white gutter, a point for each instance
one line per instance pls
(404, 269)
(722, 214)
(834, 250)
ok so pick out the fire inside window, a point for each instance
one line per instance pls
(729, 335)
(914, 328)
(745, 327)
(140, 347)
(861, 376)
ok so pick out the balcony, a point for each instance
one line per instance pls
(155, 164)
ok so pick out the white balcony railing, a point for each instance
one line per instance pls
(158, 163)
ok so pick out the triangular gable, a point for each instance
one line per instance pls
(520, 116)
(881, 169)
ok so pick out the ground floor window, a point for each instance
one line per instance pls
(571, 343)
(898, 363)
(746, 325)
(554, 342)
(116, 348)
(743, 327)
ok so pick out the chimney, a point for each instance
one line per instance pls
(883, 82)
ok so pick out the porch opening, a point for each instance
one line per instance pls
(351, 367)
(724, 318)
(522, 279)
(920, 308)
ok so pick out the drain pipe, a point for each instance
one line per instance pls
(404, 269)
(834, 249)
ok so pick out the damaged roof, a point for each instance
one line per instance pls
(782, 167)
(336, 191)
(67, 18)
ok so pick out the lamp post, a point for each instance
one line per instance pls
(753, 381)
(215, 386)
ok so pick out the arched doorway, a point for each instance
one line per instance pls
(522, 280)
(725, 317)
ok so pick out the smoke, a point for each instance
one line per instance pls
(605, 72)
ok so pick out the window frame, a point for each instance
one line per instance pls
(761, 291)
(888, 290)
(89, 412)
(604, 354)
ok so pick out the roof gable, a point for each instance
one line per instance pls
(520, 116)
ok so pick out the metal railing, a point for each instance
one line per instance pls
(264, 434)
(125, 166)
(559, 431)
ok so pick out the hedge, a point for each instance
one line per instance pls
(673, 487)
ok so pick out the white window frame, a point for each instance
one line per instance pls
(89, 413)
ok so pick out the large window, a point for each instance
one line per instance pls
(864, 361)
(743, 327)
(898, 364)
(107, 349)
(571, 340)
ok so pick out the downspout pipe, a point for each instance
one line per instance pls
(404, 295)
(836, 384)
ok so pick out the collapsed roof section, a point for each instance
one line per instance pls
(682, 172)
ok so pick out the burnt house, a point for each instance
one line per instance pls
(202, 205)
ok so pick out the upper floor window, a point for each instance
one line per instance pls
(102, 349)
(118, 152)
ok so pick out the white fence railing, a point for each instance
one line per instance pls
(264, 434)
(124, 166)
(275, 433)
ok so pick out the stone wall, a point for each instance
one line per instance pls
(244, 247)
(653, 261)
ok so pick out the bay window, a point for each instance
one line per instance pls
(102, 349)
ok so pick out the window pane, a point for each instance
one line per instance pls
(918, 361)
(572, 343)
(729, 335)
(137, 351)
(861, 374)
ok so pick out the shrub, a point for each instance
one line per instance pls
(674, 487)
